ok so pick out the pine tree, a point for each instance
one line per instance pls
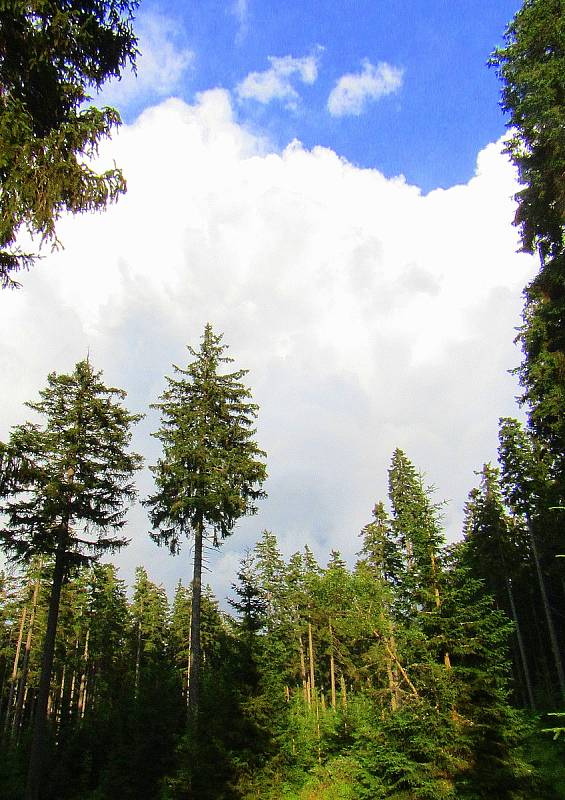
(211, 470)
(65, 491)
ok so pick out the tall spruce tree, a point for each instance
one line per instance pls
(532, 68)
(211, 470)
(65, 493)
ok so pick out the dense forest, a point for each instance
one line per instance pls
(424, 671)
(420, 673)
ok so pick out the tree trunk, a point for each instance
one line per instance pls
(83, 679)
(39, 736)
(14, 676)
(194, 687)
(522, 649)
(311, 659)
(22, 688)
(303, 671)
(332, 668)
(547, 611)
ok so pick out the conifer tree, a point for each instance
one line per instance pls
(496, 549)
(271, 570)
(532, 68)
(51, 53)
(416, 526)
(531, 487)
(211, 470)
(65, 492)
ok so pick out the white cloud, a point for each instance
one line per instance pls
(276, 83)
(370, 316)
(162, 64)
(354, 91)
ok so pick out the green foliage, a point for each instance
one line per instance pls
(532, 68)
(51, 53)
(74, 470)
(211, 469)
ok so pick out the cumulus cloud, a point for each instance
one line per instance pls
(369, 315)
(355, 90)
(276, 83)
(162, 64)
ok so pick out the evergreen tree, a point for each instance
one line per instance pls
(179, 634)
(271, 570)
(532, 68)
(416, 527)
(531, 488)
(497, 551)
(65, 492)
(51, 53)
(211, 470)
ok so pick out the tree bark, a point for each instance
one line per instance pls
(194, 685)
(303, 671)
(547, 611)
(311, 659)
(22, 687)
(14, 676)
(39, 736)
(521, 647)
(332, 668)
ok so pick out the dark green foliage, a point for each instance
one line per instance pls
(72, 471)
(65, 487)
(532, 68)
(211, 470)
(52, 52)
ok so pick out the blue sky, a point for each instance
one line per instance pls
(261, 145)
(430, 129)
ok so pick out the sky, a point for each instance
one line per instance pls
(326, 185)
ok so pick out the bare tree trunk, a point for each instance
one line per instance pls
(188, 663)
(14, 675)
(521, 647)
(83, 678)
(547, 611)
(311, 660)
(194, 687)
(303, 671)
(332, 668)
(39, 735)
(22, 687)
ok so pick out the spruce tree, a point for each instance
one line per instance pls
(211, 470)
(496, 550)
(416, 526)
(65, 490)
(52, 52)
(531, 486)
(532, 67)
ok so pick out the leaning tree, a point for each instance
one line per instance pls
(65, 484)
(211, 470)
